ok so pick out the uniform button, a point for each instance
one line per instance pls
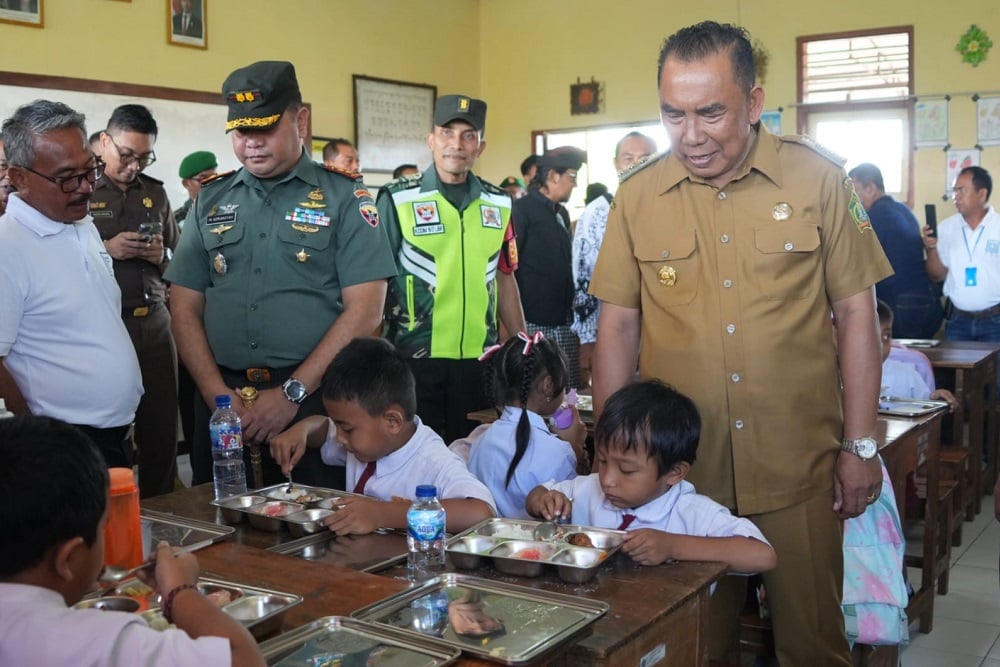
(722, 196)
(735, 377)
(253, 306)
(739, 424)
(253, 346)
(727, 283)
(262, 235)
(257, 271)
(665, 254)
(789, 246)
(731, 329)
(725, 238)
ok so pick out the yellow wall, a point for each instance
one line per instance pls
(519, 55)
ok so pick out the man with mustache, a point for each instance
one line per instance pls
(281, 264)
(64, 350)
(455, 250)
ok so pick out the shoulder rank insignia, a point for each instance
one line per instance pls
(811, 143)
(216, 177)
(634, 169)
(353, 175)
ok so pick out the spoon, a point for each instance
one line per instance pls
(546, 531)
(111, 577)
(289, 489)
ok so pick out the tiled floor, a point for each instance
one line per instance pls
(966, 620)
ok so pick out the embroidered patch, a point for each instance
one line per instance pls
(311, 204)
(102, 214)
(370, 213)
(363, 194)
(993, 247)
(219, 218)
(428, 228)
(426, 212)
(491, 217)
(859, 213)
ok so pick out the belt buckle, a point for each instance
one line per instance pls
(258, 375)
(141, 311)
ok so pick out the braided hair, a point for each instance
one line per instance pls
(510, 374)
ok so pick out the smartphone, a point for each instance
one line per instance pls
(148, 229)
(930, 214)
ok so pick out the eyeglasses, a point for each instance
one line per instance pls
(130, 158)
(571, 174)
(72, 183)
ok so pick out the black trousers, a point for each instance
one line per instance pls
(114, 443)
(310, 469)
(447, 391)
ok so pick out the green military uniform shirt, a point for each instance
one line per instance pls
(272, 256)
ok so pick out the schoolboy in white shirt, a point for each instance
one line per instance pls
(369, 394)
(646, 440)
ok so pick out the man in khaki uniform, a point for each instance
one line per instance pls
(725, 259)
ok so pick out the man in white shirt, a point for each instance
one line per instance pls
(965, 254)
(64, 351)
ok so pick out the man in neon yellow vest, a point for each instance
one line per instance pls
(456, 255)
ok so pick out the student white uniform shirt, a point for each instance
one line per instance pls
(680, 510)
(61, 329)
(901, 380)
(424, 459)
(960, 247)
(37, 628)
(547, 459)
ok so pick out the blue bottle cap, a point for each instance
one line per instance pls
(427, 491)
(223, 401)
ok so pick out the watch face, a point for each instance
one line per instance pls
(867, 448)
(295, 390)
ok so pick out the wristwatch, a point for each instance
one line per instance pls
(294, 390)
(864, 448)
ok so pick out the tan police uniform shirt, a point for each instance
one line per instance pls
(735, 287)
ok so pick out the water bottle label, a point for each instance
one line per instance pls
(225, 437)
(425, 525)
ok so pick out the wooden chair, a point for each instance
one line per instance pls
(948, 514)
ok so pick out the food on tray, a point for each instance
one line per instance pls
(276, 510)
(514, 533)
(307, 498)
(580, 540)
(136, 589)
(531, 553)
(220, 597)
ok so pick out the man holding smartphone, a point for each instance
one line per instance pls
(134, 218)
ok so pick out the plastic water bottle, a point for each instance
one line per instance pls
(425, 521)
(563, 417)
(4, 412)
(430, 613)
(226, 433)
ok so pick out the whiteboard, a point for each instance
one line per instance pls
(184, 127)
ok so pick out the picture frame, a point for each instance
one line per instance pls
(391, 122)
(23, 12)
(187, 23)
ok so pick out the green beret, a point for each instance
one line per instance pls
(197, 162)
(511, 181)
(258, 94)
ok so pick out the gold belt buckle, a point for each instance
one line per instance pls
(141, 311)
(258, 375)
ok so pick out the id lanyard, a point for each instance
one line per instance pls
(970, 271)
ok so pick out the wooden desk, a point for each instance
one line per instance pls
(974, 369)
(653, 609)
(906, 444)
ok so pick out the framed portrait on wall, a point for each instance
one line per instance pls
(391, 122)
(187, 23)
(23, 12)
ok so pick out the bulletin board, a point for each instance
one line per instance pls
(391, 122)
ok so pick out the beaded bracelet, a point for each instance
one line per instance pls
(168, 602)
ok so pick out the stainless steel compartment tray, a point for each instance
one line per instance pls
(177, 531)
(531, 622)
(909, 407)
(366, 553)
(235, 508)
(353, 641)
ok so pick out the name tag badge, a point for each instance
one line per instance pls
(970, 276)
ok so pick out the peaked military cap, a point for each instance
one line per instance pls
(258, 94)
(459, 107)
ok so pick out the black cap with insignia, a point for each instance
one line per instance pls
(562, 158)
(459, 107)
(258, 94)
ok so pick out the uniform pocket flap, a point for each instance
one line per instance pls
(786, 238)
(680, 244)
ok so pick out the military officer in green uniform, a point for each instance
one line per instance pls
(195, 169)
(280, 265)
